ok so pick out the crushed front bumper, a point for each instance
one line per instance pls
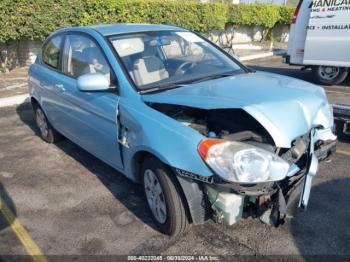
(268, 201)
(317, 152)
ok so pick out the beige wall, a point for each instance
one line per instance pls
(18, 53)
(245, 34)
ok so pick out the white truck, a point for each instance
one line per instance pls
(320, 39)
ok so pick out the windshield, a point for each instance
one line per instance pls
(164, 59)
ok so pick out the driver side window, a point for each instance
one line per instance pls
(82, 56)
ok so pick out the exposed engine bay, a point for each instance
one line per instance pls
(234, 125)
(267, 200)
(228, 124)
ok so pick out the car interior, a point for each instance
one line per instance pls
(82, 56)
(151, 60)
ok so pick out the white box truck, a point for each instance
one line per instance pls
(320, 39)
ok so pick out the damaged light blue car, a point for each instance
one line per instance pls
(207, 137)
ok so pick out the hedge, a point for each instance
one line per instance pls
(36, 19)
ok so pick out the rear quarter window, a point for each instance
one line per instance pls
(51, 52)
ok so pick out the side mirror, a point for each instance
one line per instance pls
(92, 82)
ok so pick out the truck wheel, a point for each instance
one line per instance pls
(330, 75)
(47, 132)
(163, 198)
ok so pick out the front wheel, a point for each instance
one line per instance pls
(330, 75)
(163, 198)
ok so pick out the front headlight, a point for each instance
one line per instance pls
(242, 163)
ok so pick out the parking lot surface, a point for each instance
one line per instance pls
(71, 203)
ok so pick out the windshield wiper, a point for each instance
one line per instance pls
(184, 83)
(161, 88)
(207, 78)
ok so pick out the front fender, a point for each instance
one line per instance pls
(146, 129)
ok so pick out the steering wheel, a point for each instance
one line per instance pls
(184, 67)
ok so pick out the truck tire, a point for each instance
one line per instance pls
(330, 75)
(163, 198)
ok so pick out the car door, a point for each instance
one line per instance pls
(89, 117)
(49, 79)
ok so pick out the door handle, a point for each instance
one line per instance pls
(60, 88)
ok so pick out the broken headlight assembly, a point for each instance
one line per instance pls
(242, 163)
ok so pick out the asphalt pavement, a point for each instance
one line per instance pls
(70, 203)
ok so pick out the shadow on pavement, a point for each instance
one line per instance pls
(6, 199)
(324, 228)
(130, 194)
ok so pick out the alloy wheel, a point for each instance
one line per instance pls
(155, 196)
(41, 122)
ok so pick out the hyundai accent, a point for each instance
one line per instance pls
(206, 136)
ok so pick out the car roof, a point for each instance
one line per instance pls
(113, 29)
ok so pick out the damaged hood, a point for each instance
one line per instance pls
(285, 106)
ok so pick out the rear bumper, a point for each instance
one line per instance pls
(341, 115)
(341, 112)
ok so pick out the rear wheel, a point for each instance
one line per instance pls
(330, 75)
(47, 132)
(163, 198)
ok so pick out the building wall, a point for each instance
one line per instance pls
(18, 53)
(245, 34)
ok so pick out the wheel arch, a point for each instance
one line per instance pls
(34, 102)
(190, 191)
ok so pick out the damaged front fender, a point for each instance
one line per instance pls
(147, 130)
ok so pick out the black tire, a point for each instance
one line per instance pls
(336, 76)
(50, 135)
(176, 221)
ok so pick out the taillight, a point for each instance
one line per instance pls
(296, 12)
(295, 16)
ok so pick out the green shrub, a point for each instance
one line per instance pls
(266, 16)
(286, 14)
(195, 16)
(36, 19)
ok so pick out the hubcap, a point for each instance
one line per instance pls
(328, 72)
(155, 196)
(41, 122)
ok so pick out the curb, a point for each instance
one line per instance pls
(262, 55)
(19, 99)
(14, 100)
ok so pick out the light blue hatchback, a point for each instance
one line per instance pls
(206, 136)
